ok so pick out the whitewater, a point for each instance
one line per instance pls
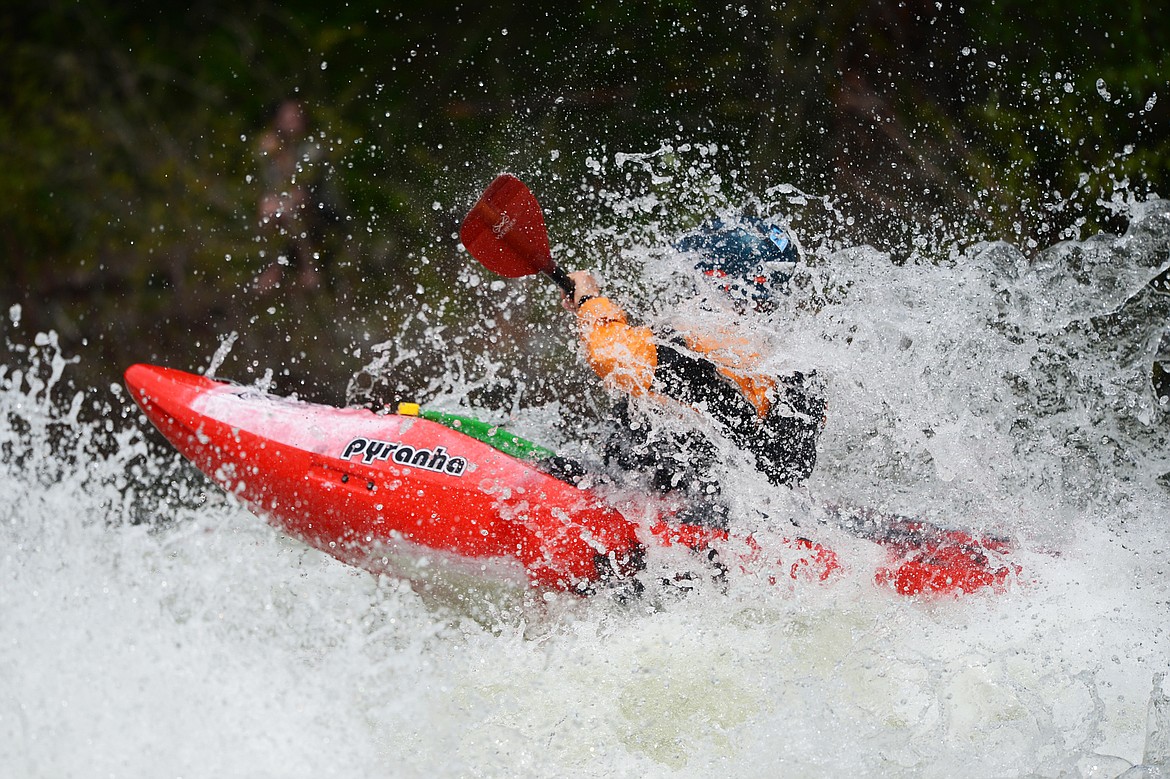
(150, 626)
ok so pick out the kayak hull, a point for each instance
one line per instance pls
(350, 482)
(376, 490)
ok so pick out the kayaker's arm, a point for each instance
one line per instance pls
(698, 383)
(624, 356)
(782, 442)
(628, 358)
(632, 359)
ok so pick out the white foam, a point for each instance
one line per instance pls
(150, 628)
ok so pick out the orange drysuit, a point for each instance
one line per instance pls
(777, 420)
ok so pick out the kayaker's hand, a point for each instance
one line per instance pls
(584, 286)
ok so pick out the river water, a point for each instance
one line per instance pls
(151, 627)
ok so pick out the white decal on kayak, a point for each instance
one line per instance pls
(436, 460)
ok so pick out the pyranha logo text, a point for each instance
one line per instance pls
(436, 460)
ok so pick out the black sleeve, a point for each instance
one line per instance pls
(697, 382)
(783, 443)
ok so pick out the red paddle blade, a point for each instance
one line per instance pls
(505, 230)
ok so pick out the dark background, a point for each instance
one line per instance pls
(129, 178)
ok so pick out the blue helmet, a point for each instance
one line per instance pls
(753, 259)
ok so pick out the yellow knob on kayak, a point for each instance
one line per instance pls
(408, 409)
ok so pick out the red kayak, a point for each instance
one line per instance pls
(367, 487)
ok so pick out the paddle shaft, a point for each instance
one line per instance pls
(563, 281)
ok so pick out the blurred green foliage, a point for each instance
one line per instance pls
(130, 179)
